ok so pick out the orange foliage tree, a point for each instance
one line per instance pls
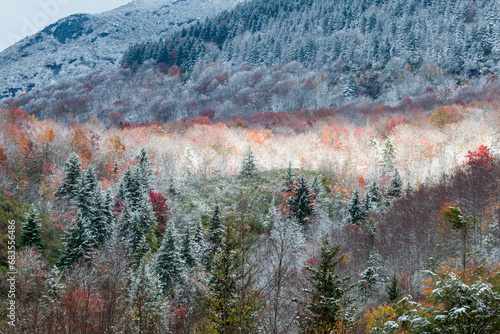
(333, 136)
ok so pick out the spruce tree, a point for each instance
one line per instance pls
(356, 209)
(375, 196)
(289, 178)
(187, 249)
(396, 187)
(393, 290)
(169, 264)
(85, 200)
(198, 243)
(302, 202)
(215, 233)
(143, 171)
(327, 304)
(54, 286)
(248, 165)
(223, 287)
(70, 185)
(387, 163)
(78, 241)
(31, 229)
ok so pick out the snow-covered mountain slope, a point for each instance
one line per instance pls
(81, 43)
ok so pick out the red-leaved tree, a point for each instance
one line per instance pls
(481, 157)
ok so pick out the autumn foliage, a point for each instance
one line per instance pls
(481, 157)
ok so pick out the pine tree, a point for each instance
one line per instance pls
(147, 299)
(70, 185)
(248, 165)
(87, 193)
(375, 196)
(223, 287)
(393, 290)
(302, 202)
(289, 179)
(396, 187)
(369, 279)
(327, 303)
(31, 229)
(187, 249)
(356, 210)
(143, 171)
(387, 163)
(215, 233)
(139, 232)
(78, 241)
(54, 286)
(169, 264)
(198, 243)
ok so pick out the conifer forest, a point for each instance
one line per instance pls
(281, 166)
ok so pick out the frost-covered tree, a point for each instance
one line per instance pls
(387, 163)
(149, 305)
(216, 233)
(393, 290)
(289, 178)
(396, 187)
(143, 171)
(452, 306)
(375, 196)
(302, 202)
(248, 165)
(54, 286)
(169, 259)
(356, 209)
(77, 241)
(327, 303)
(70, 184)
(31, 229)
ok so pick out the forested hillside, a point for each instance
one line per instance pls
(289, 55)
(283, 167)
(219, 227)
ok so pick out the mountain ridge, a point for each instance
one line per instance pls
(80, 43)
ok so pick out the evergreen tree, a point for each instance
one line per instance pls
(70, 185)
(289, 178)
(147, 299)
(78, 241)
(387, 163)
(327, 303)
(356, 209)
(393, 290)
(375, 196)
(223, 287)
(89, 192)
(368, 282)
(54, 286)
(248, 165)
(169, 264)
(302, 202)
(140, 232)
(396, 187)
(31, 229)
(143, 171)
(198, 244)
(216, 233)
(187, 249)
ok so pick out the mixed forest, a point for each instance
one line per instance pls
(283, 167)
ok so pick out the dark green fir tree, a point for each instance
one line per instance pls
(248, 165)
(32, 229)
(69, 187)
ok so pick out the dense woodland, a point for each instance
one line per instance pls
(288, 55)
(307, 223)
(284, 167)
